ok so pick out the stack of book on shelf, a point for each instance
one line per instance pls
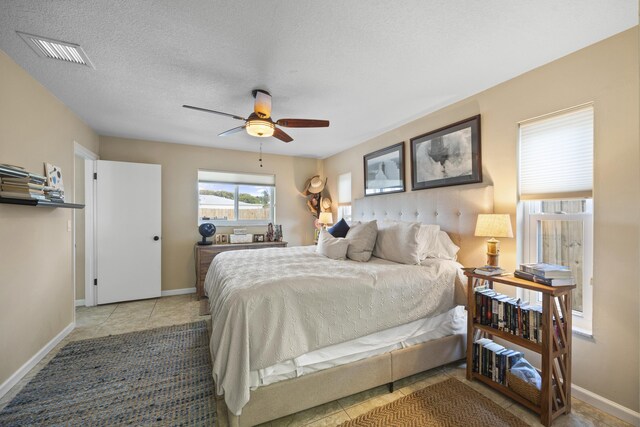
(54, 194)
(493, 360)
(508, 314)
(546, 274)
(489, 270)
(17, 183)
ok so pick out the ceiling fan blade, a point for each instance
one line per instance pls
(303, 123)
(231, 131)
(281, 135)
(214, 112)
(262, 104)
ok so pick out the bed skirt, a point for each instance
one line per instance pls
(297, 394)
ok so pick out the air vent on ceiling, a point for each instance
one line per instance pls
(55, 49)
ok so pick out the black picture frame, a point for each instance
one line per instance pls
(387, 163)
(258, 238)
(447, 156)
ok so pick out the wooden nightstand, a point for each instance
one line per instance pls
(554, 343)
(206, 254)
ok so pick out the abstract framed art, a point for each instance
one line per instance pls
(384, 170)
(447, 156)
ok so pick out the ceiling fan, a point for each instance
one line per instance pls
(259, 122)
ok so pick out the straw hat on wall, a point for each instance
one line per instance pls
(314, 185)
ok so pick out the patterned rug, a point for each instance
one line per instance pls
(449, 403)
(153, 377)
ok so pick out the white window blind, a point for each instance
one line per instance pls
(236, 178)
(556, 156)
(344, 188)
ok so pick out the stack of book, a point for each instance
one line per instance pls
(508, 314)
(17, 183)
(493, 360)
(54, 194)
(546, 274)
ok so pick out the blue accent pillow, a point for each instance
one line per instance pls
(339, 229)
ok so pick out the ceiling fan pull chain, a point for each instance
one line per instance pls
(260, 159)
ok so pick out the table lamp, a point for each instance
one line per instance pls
(325, 218)
(493, 225)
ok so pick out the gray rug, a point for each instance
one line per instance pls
(154, 377)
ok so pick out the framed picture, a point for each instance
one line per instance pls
(384, 171)
(258, 237)
(447, 156)
(224, 238)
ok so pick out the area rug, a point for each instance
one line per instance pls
(449, 403)
(153, 377)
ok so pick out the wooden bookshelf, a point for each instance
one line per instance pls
(555, 349)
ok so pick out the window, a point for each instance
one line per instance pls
(555, 184)
(344, 196)
(226, 198)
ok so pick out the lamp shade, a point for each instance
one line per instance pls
(325, 218)
(494, 225)
(260, 128)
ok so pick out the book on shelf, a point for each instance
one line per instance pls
(493, 360)
(489, 270)
(21, 195)
(547, 271)
(13, 171)
(543, 280)
(510, 315)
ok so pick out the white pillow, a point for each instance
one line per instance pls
(362, 238)
(332, 247)
(444, 247)
(398, 242)
(427, 239)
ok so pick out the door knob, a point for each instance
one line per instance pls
(156, 238)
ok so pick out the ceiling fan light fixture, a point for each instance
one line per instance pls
(260, 128)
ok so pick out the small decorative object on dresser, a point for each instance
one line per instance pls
(206, 230)
(447, 156)
(258, 238)
(270, 232)
(384, 170)
(224, 238)
(277, 234)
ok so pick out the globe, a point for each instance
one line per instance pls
(206, 230)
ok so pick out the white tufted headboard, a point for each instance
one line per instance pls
(454, 209)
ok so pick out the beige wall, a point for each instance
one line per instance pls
(180, 164)
(36, 278)
(607, 75)
(79, 226)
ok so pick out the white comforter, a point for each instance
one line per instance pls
(270, 305)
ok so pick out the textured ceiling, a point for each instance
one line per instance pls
(368, 66)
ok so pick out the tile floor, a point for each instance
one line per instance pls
(120, 318)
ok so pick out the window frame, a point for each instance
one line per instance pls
(236, 206)
(582, 322)
(344, 206)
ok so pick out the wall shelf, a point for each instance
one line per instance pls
(39, 203)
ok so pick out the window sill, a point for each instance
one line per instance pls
(583, 333)
(221, 223)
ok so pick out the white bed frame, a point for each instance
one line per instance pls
(455, 209)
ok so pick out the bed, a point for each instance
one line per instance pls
(292, 329)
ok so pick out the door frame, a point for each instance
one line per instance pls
(89, 225)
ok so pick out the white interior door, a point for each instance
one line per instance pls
(128, 225)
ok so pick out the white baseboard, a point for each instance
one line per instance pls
(606, 405)
(24, 369)
(182, 291)
(79, 302)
